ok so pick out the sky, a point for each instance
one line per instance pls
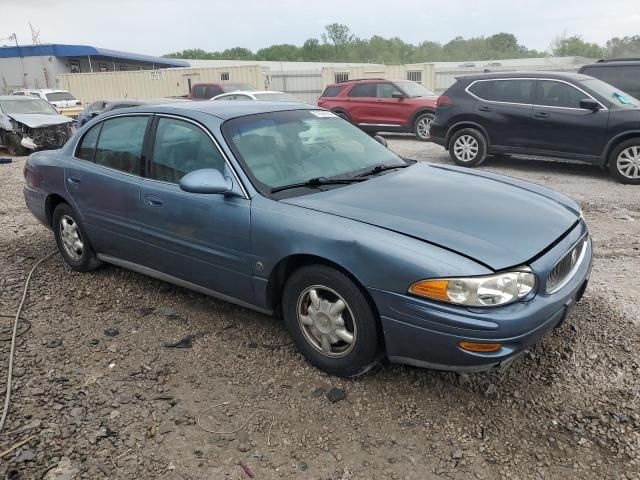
(157, 27)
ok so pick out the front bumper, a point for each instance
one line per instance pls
(425, 333)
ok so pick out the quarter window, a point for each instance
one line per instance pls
(332, 91)
(557, 94)
(120, 144)
(507, 91)
(87, 147)
(181, 147)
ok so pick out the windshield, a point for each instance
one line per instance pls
(413, 89)
(29, 105)
(275, 97)
(59, 96)
(610, 92)
(285, 148)
(234, 87)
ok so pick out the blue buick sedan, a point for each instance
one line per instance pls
(289, 210)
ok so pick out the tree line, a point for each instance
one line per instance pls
(338, 44)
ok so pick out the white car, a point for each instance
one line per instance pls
(264, 95)
(62, 100)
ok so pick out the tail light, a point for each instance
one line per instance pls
(31, 177)
(444, 101)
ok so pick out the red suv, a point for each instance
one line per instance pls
(382, 105)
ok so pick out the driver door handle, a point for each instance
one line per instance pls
(73, 181)
(152, 201)
(484, 109)
(541, 115)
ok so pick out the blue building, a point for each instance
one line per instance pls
(38, 66)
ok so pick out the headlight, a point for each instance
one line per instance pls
(484, 291)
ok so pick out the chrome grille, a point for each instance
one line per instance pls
(566, 267)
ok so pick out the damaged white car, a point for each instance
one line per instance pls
(28, 124)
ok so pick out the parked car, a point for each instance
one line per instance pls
(378, 105)
(264, 95)
(103, 106)
(64, 102)
(546, 114)
(30, 123)
(622, 73)
(289, 209)
(206, 91)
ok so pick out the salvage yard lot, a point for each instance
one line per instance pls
(103, 397)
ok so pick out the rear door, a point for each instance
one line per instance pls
(103, 180)
(504, 109)
(562, 127)
(361, 103)
(201, 239)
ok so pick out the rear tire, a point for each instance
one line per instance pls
(331, 321)
(468, 147)
(422, 126)
(72, 240)
(624, 162)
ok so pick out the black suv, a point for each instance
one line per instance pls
(622, 73)
(549, 114)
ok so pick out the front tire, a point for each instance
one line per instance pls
(331, 321)
(422, 126)
(468, 147)
(14, 148)
(72, 241)
(624, 162)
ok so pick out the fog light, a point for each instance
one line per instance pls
(480, 347)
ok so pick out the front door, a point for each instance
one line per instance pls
(561, 127)
(203, 239)
(103, 181)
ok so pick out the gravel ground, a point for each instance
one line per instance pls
(97, 394)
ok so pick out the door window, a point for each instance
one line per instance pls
(181, 147)
(364, 90)
(557, 94)
(507, 91)
(386, 90)
(120, 144)
(87, 148)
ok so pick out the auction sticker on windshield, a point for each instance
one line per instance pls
(323, 114)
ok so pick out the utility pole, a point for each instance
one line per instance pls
(14, 37)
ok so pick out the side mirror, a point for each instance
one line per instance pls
(206, 180)
(589, 104)
(397, 95)
(381, 140)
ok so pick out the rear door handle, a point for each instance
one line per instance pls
(484, 109)
(540, 115)
(73, 181)
(152, 201)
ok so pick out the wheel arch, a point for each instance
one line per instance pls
(419, 112)
(50, 204)
(467, 124)
(615, 141)
(289, 264)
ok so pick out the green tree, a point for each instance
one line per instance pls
(284, 53)
(575, 46)
(340, 36)
(623, 47)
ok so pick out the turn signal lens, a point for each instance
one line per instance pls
(480, 347)
(483, 291)
(436, 289)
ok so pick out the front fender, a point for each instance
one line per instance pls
(376, 257)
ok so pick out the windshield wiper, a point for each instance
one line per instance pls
(380, 168)
(316, 182)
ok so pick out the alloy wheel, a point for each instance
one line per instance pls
(466, 148)
(326, 321)
(424, 127)
(628, 162)
(71, 239)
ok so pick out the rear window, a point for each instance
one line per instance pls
(508, 91)
(333, 91)
(59, 96)
(623, 77)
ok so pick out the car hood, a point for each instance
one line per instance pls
(36, 120)
(496, 220)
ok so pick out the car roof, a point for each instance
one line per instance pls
(227, 110)
(576, 77)
(19, 98)
(145, 101)
(41, 90)
(616, 62)
(249, 92)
